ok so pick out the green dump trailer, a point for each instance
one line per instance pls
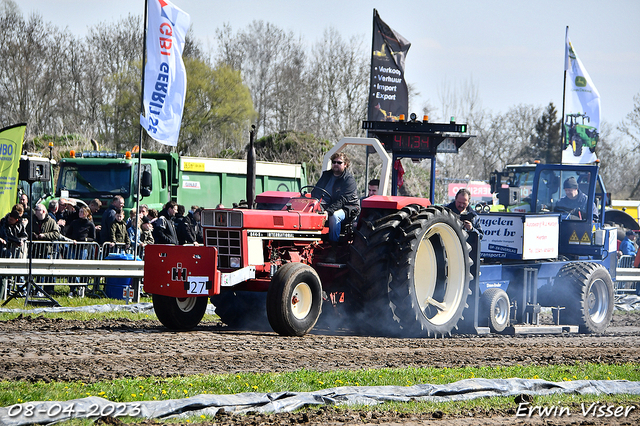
(205, 182)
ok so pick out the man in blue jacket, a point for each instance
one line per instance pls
(627, 247)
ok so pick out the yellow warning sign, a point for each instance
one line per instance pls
(585, 239)
(191, 166)
(573, 239)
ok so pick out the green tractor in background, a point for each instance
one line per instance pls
(580, 135)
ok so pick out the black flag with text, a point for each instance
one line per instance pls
(388, 95)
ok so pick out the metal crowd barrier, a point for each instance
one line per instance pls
(627, 280)
(70, 263)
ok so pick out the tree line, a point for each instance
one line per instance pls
(301, 100)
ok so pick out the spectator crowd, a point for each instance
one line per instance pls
(66, 224)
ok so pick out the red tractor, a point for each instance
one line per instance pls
(403, 266)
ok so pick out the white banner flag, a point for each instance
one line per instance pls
(582, 111)
(165, 78)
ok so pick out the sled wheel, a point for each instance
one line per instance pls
(294, 300)
(243, 310)
(586, 292)
(367, 300)
(430, 278)
(179, 313)
(495, 305)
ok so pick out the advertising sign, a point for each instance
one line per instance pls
(516, 236)
(480, 191)
(541, 235)
(10, 149)
(502, 236)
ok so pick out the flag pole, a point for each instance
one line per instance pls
(366, 163)
(564, 89)
(139, 170)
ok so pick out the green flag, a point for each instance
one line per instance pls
(10, 148)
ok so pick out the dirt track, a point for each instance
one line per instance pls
(35, 348)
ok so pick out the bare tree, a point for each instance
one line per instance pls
(271, 61)
(630, 125)
(614, 151)
(339, 77)
(30, 81)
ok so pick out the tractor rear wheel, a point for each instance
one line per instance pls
(370, 253)
(495, 305)
(243, 310)
(179, 314)
(430, 277)
(585, 289)
(294, 299)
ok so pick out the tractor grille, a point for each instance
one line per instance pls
(228, 244)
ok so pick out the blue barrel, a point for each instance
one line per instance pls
(115, 288)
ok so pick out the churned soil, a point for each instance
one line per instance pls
(34, 348)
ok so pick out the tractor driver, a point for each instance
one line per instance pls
(575, 200)
(340, 184)
(460, 206)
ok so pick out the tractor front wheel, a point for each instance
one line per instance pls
(179, 314)
(294, 300)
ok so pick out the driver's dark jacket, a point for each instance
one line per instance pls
(578, 203)
(475, 219)
(344, 194)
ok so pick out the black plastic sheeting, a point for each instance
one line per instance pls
(46, 412)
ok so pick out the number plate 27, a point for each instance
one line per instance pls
(198, 285)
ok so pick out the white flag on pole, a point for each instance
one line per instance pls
(582, 116)
(165, 78)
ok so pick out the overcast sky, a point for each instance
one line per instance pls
(513, 51)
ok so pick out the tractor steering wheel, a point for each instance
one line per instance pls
(573, 214)
(303, 193)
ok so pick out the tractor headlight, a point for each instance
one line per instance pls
(234, 262)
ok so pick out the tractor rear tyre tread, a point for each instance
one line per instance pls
(242, 310)
(370, 254)
(430, 302)
(179, 314)
(586, 291)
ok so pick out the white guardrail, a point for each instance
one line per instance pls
(66, 259)
(135, 269)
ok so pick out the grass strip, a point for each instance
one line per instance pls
(154, 388)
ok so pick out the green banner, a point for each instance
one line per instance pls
(10, 148)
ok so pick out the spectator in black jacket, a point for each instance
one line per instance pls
(13, 232)
(109, 216)
(185, 230)
(164, 230)
(82, 229)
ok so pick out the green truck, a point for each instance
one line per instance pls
(205, 182)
